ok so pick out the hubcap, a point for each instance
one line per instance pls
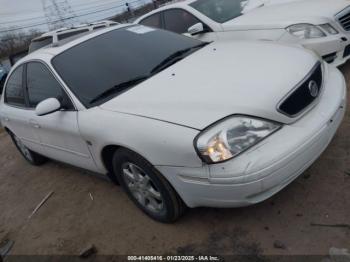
(142, 187)
(23, 148)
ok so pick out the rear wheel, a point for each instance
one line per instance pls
(32, 157)
(146, 187)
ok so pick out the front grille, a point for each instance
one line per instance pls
(344, 19)
(304, 94)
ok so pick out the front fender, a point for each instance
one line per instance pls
(161, 143)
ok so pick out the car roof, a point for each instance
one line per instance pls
(51, 51)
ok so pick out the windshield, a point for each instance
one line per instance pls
(220, 11)
(100, 66)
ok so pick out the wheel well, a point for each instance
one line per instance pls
(7, 130)
(107, 157)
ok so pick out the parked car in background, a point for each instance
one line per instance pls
(52, 37)
(3, 75)
(175, 120)
(320, 25)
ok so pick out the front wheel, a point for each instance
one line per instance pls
(32, 157)
(146, 187)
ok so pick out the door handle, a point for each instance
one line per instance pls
(34, 124)
(6, 119)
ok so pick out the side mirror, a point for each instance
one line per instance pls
(48, 106)
(196, 29)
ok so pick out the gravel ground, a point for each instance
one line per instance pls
(70, 220)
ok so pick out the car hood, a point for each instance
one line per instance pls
(219, 80)
(282, 13)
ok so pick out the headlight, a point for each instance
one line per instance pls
(329, 29)
(231, 137)
(305, 31)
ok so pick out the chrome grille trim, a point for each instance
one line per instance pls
(302, 82)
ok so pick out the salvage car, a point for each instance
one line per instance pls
(320, 25)
(176, 121)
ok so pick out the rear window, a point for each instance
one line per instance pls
(39, 43)
(96, 65)
(99, 26)
(66, 35)
(220, 11)
(153, 20)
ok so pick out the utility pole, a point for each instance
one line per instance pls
(58, 13)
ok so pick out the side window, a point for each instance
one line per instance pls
(69, 34)
(153, 20)
(179, 21)
(14, 94)
(39, 43)
(41, 85)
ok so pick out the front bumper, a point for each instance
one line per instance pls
(268, 167)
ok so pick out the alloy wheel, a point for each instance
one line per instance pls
(142, 188)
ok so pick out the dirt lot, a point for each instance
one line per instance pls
(70, 220)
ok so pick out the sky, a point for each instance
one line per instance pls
(24, 14)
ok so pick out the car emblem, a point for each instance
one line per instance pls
(313, 88)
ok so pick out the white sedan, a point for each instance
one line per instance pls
(178, 122)
(320, 25)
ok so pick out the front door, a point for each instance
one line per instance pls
(58, 132)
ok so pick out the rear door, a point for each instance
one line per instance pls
(15, 112)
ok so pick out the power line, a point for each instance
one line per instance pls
(35, 12)
(55, 13)
(43, 18)
(12, 38)
(67, 18)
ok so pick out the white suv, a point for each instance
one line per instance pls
(52, 37)
(175, 120)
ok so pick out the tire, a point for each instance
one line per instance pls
(33, 158)
(146, 187)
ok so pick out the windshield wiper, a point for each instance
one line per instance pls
(175, 57)
(119, 88)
